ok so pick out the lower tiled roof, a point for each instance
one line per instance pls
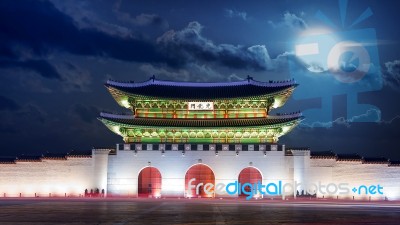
(201, 122)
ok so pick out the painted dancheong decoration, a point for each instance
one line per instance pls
(184, 112)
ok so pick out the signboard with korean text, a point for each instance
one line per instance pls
(200, 106)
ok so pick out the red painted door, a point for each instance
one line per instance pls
(202, 174)
(149, 182)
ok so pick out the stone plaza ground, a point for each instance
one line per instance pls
(194, 211)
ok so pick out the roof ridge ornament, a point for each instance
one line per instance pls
(249, 78)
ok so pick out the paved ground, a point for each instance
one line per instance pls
(194, 211)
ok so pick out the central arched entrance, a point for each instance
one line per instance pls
(149, 182)
(249, 175)
(202, 174)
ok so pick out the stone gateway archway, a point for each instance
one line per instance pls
(149, 183)
(203, 174)
(249, 175)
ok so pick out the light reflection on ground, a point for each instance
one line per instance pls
(195, 211)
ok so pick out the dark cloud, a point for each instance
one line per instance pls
(392, 74)
(191, 72)
(75, 78)
(43, 29)
(42, 67)
(85, 16)
(86, 113)
(142, 19)
(8, 104)
(20, 119)
(32, 112)
(188, 44)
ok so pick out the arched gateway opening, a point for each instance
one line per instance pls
(149, 182)
(249, 175)
(202, 174)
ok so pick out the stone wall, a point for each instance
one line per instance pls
(355, 174)
(118, 173)
(47, 178)
(58, 177)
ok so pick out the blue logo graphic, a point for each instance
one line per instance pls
(338, 63)
(368, 190)
(257, 189)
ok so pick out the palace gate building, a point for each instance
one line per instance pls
(217, 133)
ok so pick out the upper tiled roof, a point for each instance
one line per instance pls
(191, 90)
(200, 122)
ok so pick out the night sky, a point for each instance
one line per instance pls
(56, 55)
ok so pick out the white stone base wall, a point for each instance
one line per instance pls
(125, 166)
(118, 173)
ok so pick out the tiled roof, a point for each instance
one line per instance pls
(46, 156)
(323, 155)
(375, 160)
(58, 156)
(7, 160)
(201, 122)
(349, 157)
(188, 90)
(79, 154)
(29, 158)
(394, 163)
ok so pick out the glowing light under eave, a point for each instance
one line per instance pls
(125, 103)
(277, 103)
(116, 130)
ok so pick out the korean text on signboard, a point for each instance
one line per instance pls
(200, 106)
